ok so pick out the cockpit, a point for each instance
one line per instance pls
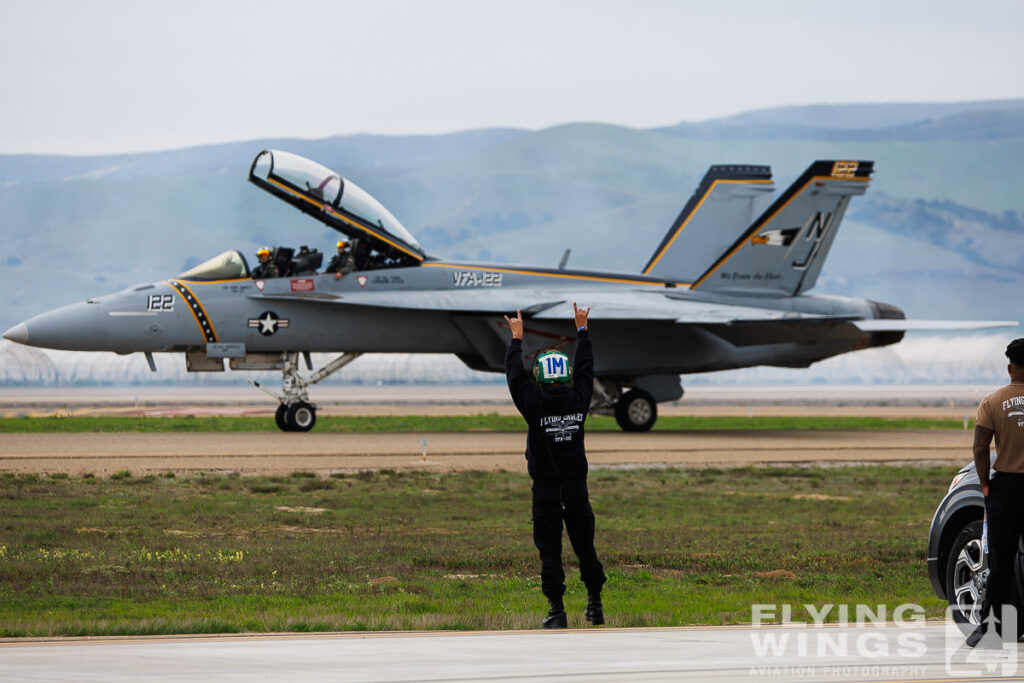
(338, 203)
(377, 239)
(230, 265)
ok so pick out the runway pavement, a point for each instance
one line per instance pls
(326, 453)
(906, 651)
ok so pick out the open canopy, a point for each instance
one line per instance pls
(332, 199)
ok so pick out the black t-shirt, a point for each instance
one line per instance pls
(555, 413)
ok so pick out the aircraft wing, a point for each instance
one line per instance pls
(657, 306)
(504, 300)
(544, 304)
(741, 325)
(885, 325)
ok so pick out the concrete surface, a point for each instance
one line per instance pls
(929, 651)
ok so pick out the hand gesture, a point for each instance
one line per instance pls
(516, 325)
(581, 315)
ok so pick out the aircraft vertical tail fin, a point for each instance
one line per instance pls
(727, 200)
(782, 252)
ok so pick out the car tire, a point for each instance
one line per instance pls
(636, 411)
(281, 417)
(301, 416)
(965, 573)
(966, 576)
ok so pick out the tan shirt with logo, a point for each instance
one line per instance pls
(1003, 413)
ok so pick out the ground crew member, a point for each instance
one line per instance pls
(343, 262)
(1001, 414)
(555, 408)
(266, 268)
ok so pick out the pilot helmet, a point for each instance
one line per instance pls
(342, 244)
(263, 251)
(552, 367)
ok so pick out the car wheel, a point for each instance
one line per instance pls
(967, 576)
(301, 416)
(281, 418)
(636, 411)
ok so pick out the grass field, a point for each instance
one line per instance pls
(464, 423)
(390, 550)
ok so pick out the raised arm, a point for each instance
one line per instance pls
(515, 374)
(583, 364)
(581, 316)
(516, 325)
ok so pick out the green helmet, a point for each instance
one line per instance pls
(551, 367)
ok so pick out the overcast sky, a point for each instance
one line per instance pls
(117, 76)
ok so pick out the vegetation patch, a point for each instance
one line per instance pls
(490, 422)
(422, 550)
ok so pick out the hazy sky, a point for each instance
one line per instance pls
(112, 76)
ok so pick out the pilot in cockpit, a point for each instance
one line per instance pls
(343, 262)
(266, 268)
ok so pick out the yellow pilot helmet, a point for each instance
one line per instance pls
(341, 243)
(263, 251)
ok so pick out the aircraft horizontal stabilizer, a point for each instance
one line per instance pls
(885, 325)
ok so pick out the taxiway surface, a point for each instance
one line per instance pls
(326, 453)
(925, 651)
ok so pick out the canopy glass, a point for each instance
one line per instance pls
(227, 266)
(335, 200)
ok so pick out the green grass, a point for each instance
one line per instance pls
(449, 423)
(397, 550)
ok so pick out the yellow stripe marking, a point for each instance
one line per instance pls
(328, 209)
(595, 278)
(766, 223)
(692, 214)
(215, 282)
(213, 331)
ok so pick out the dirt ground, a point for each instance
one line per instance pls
(281, 453)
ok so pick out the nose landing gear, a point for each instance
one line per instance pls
(295, 413)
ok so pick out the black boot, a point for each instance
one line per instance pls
(556, 617)
(985, 638)
(595, 611)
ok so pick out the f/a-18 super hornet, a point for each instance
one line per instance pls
(726, 288)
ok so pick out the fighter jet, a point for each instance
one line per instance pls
(726, 288)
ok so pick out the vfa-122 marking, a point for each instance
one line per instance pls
(473, 278)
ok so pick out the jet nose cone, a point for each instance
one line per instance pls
(18, 333)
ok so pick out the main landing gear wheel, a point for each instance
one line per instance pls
(300, 417)
(636, 411)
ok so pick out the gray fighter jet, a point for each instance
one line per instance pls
(726, 288)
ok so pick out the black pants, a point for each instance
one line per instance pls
(555, 501)
(1005, 508)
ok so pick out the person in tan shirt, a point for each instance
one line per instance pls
(1001, 415)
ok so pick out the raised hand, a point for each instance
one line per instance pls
(581, 315)
(516, 325)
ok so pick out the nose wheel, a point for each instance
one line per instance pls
(294, 412)
(295, 417)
